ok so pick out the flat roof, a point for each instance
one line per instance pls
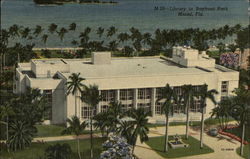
(126, 67)
(48, 61)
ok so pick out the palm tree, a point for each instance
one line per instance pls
(90, 96)
(125, 129)
(77, 128)
(14, 30)
(113, 45)
(21, 135)
(100, 31)
(61, 34)
(139, 120)
(25, 32)
(222, 112)
(58, 151)
(44, 39)
(169, 96)
(188, 96)
(52, 28)
(72, 26)
(241, 111)
(204, 94)
(111, 31)
(5, 111)
(38, 30)
(74, 86)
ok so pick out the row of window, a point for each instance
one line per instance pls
(195, 107)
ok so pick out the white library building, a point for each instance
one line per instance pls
(134, 81)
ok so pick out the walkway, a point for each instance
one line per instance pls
(61, 138)
(224, 147)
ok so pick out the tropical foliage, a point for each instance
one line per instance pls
(58, 151)
(75, 127)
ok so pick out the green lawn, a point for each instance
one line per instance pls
(245, 151)
(237, 131)
(37, 150)
(157, 144)
(54, 130)
(49, 130)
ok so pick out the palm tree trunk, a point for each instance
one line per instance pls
(202, 128)
(187, 120)
(242, 139)
(75, 105)
(7, 132)
(91, 135)
(166, 135)
(78, 148)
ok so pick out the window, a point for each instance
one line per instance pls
(224, 86)
(196, 106)
(158, 108)
(108, 95)
(104, 108)
(86, 112)
(48, 99)
(144, 93)
(158, 93)
(126, 94)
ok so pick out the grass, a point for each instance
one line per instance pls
(49, 130)
(245, 151)
(208, 122)
(37, 150)
(55, 130)
(238, 131)
(157, 144)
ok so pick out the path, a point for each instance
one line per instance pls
(61, 138)
(224, 147)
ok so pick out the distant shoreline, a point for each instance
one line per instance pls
(61, 2)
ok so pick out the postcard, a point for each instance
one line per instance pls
(125, 79)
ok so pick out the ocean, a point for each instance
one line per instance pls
(146, 15)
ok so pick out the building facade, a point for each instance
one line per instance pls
(135, 82)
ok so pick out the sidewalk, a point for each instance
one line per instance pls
(223, 146)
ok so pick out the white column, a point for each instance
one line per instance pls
(135, 98)
(153, 92)
(98, 109)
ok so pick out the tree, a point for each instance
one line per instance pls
(38, 30)
(75, 127)
(58, 151)
(241, 111)
(44, 39)
(111, 31)
(139, 120)
(52, 28)
(14, 30)
(21, 135)
(125, 129)
(74, 86)
(222, 112)
(72, 26)
(188, 96)
(90, 96)
(204, 94)
(113, 45)
(169, 96)
(61, 34)
(25, 32)
(128, 51)
(221, 47)
(100, 31)
(5, 111)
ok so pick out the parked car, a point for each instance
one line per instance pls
(213, 132)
